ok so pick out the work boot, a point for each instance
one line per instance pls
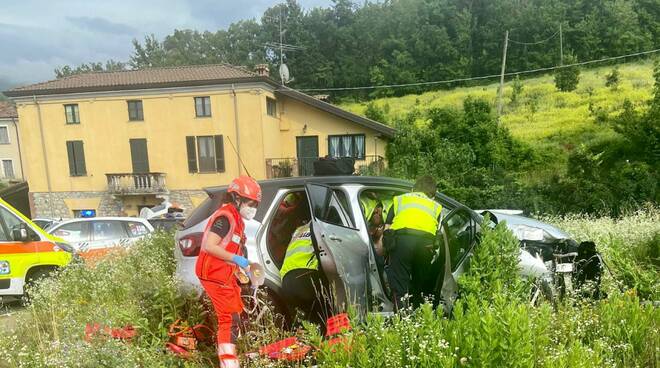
(227, 356)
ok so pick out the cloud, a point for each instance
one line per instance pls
(101, 25)
(37, 36)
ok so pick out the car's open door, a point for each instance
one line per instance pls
(457, 237)
(343, 255)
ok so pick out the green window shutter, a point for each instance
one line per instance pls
(72, 160)
(192, 154)
(79, 158)
(219, 154)
(139, 155)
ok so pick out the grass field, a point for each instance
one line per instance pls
(542, 115)
(493, 324)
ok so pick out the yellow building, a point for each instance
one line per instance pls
(115, 142)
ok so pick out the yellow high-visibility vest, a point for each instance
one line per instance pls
(387, 206)
(300, 253)
(368, 206)
(416, 211)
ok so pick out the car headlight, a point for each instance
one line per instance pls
(525, 232)
(4, 268)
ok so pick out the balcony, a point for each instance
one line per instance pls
(291, 166)
(136, 184)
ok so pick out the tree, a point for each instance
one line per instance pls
(373, 112)
(567, 78)
(110, 65)
(516, 91)
(352, 44)
(612, 79)
(150, 54)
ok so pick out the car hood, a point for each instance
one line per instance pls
(526, 228)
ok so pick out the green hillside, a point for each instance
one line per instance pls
(542, 116)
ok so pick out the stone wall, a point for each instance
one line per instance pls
(183, 198)
(54, 204)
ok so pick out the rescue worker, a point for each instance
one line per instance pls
(413, 223)
(303, 286)
(220, 258)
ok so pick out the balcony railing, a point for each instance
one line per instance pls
(304, 166)
(135, 184)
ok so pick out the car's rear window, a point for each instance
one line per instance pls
(204, 210)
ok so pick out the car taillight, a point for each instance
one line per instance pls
(191, 244)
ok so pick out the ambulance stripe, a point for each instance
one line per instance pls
(18, 247)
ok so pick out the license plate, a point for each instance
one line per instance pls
(565, 267)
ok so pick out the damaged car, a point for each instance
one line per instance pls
(345, 246)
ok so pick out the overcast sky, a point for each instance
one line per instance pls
(36, 36)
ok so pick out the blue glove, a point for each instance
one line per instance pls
(242, 262)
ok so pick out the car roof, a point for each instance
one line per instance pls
(109, 218)
(274, 184)
(329, 180)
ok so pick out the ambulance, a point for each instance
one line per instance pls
(27, 253)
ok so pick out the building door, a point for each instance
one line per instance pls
(140, 161)
(307, 151)
(139, 156)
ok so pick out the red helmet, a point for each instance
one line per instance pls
(245, 187)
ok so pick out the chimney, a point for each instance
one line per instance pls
(262, 70)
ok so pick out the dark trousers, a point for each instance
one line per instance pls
(409, 270)
(306, 291)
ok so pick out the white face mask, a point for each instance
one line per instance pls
(248, 212)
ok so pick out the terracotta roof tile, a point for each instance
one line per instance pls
(135, 79)
(7, 110)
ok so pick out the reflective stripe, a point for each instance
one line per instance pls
(300, 253)
(421, 207)
(300, 249)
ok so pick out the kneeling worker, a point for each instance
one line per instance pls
(414, 220)
(302, 285)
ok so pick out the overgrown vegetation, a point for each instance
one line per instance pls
(595, 149)
(492, 325)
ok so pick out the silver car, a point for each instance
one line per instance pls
(344, 247)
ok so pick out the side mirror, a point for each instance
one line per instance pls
(20, 233)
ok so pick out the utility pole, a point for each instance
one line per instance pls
(501, 91)
(561, 46)
(281, 46)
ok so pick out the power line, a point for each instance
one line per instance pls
(481, 77)
(534, 43)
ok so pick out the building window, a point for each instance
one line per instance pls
(72, 114)
(135, 112)
(205, 154)
(349, 145)
(271, 107)
(8, 169)
(4, 134)
(203, 106)
(76, 155)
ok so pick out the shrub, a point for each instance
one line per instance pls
(567, 78)
(373, 112)
(516, 90)
(613, 78)
(493, 268)
(136, 287)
